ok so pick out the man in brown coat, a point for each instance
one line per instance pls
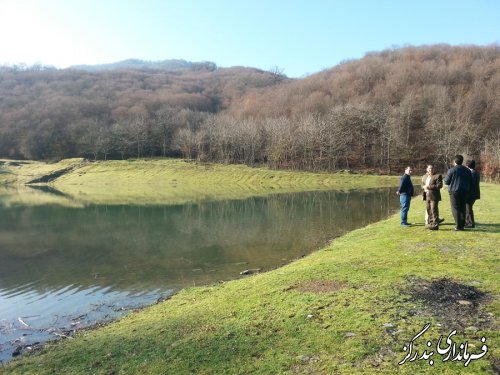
(431, 184)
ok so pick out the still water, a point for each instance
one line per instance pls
(63, 268)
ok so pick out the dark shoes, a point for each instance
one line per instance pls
(405, 225)
(458, 229)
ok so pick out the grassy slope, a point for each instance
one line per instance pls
(263, 324)
(177, 181)
(14, 172)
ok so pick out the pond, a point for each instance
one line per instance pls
(63, 268)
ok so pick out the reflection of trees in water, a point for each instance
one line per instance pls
(147, 247)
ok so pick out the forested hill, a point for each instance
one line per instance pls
(132, 110)
(410, 105)
(166, 65)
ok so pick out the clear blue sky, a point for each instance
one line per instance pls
(299, 36)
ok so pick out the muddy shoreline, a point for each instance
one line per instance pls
(26, 335)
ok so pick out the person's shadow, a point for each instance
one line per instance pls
(487, 227)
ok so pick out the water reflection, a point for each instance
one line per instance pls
(62, 261)
(129, 248)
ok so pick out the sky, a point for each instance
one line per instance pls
(298, 37)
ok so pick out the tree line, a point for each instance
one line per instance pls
(412, 105)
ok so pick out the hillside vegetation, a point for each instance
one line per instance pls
(390, 108)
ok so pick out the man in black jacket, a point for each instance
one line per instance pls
(459, 183)
(474, 194)
(405, 192)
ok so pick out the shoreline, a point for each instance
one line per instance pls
(58, 322)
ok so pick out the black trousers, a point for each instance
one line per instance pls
(458, 201)
(469, 213)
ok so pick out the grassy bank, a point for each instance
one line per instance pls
(20, 172)
(349, 308)
(175, 181)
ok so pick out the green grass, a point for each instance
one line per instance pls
(20, 172)
(265, 324)
(173, 181)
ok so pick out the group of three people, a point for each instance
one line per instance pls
(463, 187)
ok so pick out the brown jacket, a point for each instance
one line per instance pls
(434, 193)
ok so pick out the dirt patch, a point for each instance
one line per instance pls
(320, 286)
(455, 305)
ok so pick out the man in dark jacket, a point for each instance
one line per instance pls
(459, 183)
(405, 192)
(432, 183)
(474, 194)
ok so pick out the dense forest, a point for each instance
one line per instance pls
(411, 105)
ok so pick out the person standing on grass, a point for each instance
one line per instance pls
(432, 183)
(405, 192)
(459, 180)
(474, 194)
